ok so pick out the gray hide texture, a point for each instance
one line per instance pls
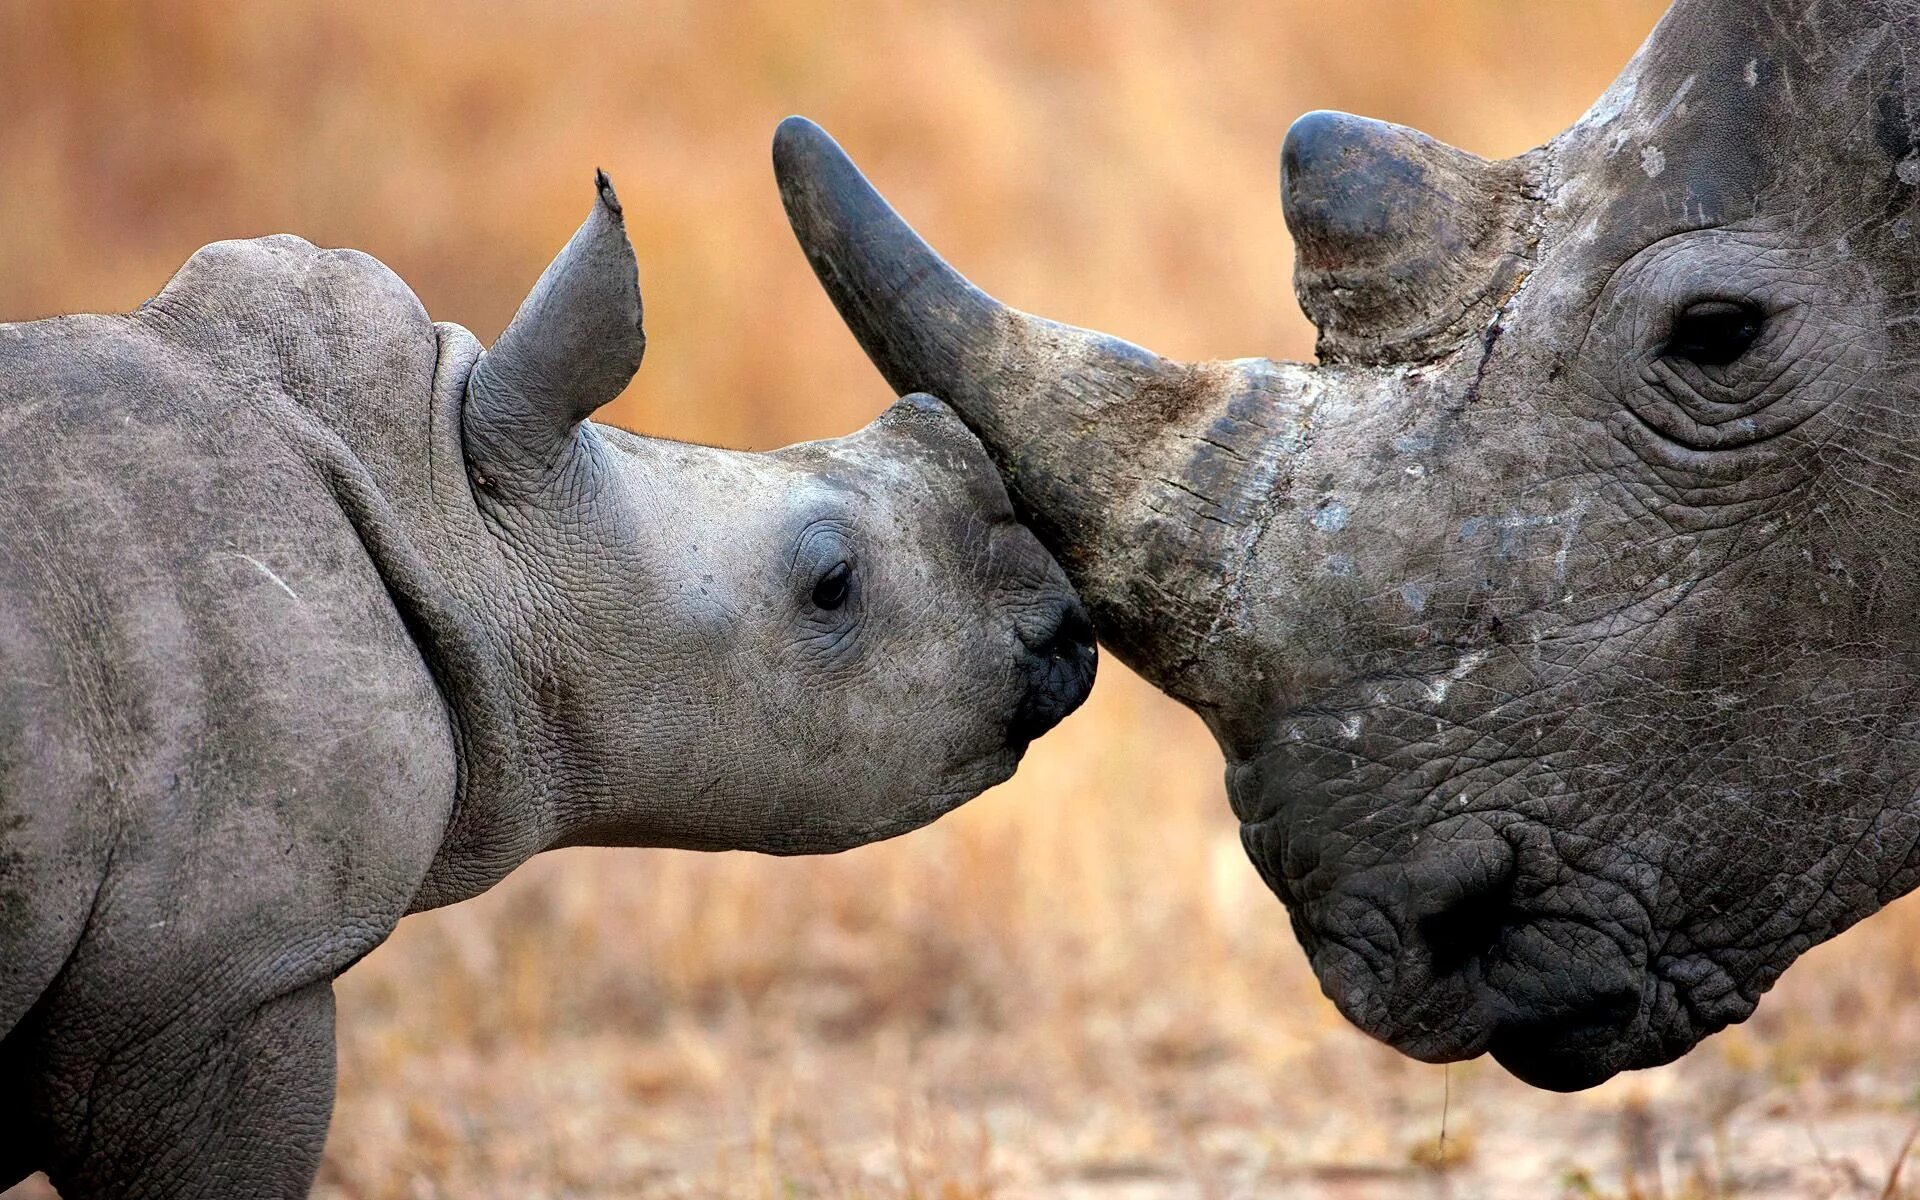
(313, 614)
(1561, 628)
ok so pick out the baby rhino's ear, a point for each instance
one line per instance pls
(572, 347)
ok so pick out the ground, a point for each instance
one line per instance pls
(1073, 988)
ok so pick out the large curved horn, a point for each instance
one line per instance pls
(1032, 389)
(918, 318)
(1141, 474)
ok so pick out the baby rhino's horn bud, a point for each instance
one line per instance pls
(1404, 243)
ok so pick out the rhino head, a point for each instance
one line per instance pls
(796, 651)
(1559, 627)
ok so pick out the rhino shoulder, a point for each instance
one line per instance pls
(341, 333)
(284, 276)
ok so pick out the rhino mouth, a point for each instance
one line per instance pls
(1557, 1000)
(1451, 933)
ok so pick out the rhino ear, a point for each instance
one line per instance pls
(572, 347)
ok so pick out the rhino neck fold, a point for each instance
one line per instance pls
(369, 391)
(419, 524)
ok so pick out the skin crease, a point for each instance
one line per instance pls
(1558, 628)
(315, 614)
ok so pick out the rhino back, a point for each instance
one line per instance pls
(224, 766)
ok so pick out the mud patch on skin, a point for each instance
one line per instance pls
(1330, 516)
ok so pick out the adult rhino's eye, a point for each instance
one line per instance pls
(1714, 333)
(831, 591)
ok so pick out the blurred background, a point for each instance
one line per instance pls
(1075, 986)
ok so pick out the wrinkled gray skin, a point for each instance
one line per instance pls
(312, 614)
(1562, 636)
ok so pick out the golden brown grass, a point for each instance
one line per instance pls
(1075, 986)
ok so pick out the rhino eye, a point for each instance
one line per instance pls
(831, 592)
(1714, 333)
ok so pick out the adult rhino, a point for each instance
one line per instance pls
(1561, 629)
(312, 614)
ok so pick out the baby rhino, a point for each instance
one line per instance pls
(314, 614)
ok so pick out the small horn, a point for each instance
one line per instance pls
(1400, 238)
(573, 346)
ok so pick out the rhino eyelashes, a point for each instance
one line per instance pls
(1714, 333)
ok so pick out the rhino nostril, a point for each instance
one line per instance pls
(1074, 637)
(1068, 636)
(1471, 923)
(1058, 668)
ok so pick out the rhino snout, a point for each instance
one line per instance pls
(1057, 664)
(1473, 943)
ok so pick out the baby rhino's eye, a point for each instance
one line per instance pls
(1714, 333)
(831, 592)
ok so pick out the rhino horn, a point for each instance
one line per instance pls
(1138, 472)
(1402, 242)
(1030, 388)
(573, 346)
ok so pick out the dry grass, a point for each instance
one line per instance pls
(1075, 987)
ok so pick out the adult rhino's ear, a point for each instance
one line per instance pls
(572, 347)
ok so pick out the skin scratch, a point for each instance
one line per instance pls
(268, 572)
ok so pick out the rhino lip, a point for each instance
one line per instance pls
(1060, 683)
(1562, 1047)
(1451, 952)
(1567, 1052)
